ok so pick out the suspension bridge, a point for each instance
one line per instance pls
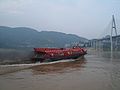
(110, 41)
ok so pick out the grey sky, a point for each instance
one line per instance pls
(87, 18)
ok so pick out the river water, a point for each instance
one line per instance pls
(97, 71)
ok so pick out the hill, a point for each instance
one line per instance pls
(22, 37)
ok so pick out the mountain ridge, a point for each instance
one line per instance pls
(24, 37)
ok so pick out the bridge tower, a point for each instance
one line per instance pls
(115, 30)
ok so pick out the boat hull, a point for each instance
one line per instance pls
(47, 54)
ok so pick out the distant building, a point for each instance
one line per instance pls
(105, 43)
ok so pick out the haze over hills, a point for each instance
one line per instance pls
(22, 37)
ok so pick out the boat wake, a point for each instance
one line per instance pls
(17, 67)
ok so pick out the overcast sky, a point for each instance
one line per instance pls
(87, 18)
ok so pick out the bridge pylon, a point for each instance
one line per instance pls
(115, 30)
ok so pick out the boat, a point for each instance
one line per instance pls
(54, 54)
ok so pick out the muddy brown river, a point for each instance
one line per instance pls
(97, 71)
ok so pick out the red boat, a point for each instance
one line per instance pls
(52, 54)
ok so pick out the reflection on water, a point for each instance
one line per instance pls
(112, 67)
(60, 67)
(115, 76)
(96, 72)
(108, 54)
